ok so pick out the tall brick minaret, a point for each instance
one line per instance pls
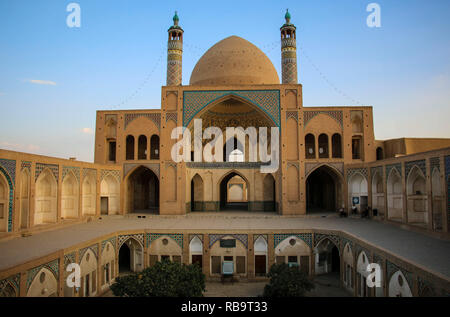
(288, 51)
(174, 53)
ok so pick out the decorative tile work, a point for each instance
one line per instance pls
(336, 115)
(74, 170)
(435, 162)
(213, 238)
(177, 237)
(377, 259)
(267, 100)
(87, 171)
(225, 165)
(423, 286)
(352, 171)
(345, 241)
(306, 237)
(397, 166)
(69, 258)
(113, 242)
(318, 237)
(292, 114)
(10, 167)
(52, 266)
(392, 268)
(192, 236)
(25, 164)
(52, 167)
(172, 116)
(359, 249)
(114, 173)
(94, 248)
(374, 170)
(420, 164)
(265, 237)
(10, 197)
(14, 281)
(154, 117)
(138, 237)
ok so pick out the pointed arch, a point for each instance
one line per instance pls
(324, 189)
(109, 195)
(44, 284)
(89, 194)
(25, 182)
(438, 199)
(378, 193)
(348, 266)
(417, 198)
(228, 202)
(395, 195)
(197, 193)
(69, 197)
(327, 257)
(398, 286)
(358, 191)
(46, 198)
(4, 203)
(269, 193)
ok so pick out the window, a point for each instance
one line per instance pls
(304, 264)
(336, 145)
(215, 265)
(292, 260)
(240, 264)
(142, 147)
(356, 147)
(112, 151)
(130, 148)
(154, 147)
(176, 258)
(310, 146)
(323, 146)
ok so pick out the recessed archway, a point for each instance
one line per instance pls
(130, 256)
(143, 191)
(323, 190)
(328, 259)
(233, 192)
(197, 191)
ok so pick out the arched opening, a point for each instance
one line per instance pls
(380, 154)
(233, 192)
(336, 145)
(323, 146)
(142, 147)
(362, 289)
(357, 192)
(260, 249)
(196, 251)
(235, 152)
(124, 259)
(323, 190)
(196, 193)
(395, 196)
(88, 266)
(417, 197)
(377, 195)
(357, 147)
(89, 190)
(24, 198)
(130, 257)
(294, 252)
(44, 284)
(70, 197)
(164, 248)
(310, 146)
(269, 193)
(4, 204)
(46, 198)
(328, 259)
(109, 195)
(437, 200)
(398, 286)
(143, 191)
(154, 147)
(348, 267)
(129, 148)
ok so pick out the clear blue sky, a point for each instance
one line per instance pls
(53, 78)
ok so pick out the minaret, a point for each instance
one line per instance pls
(288, 51)
(174, 53)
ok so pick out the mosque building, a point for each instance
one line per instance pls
(328, 160)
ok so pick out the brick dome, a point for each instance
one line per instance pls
(234, 61)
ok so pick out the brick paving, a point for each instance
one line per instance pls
(422, 250)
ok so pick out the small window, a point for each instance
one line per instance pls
(292, 259)
(112, 151)
(292, 242)
(240, 264)
(216, 265)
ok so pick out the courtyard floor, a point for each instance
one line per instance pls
(422, 250)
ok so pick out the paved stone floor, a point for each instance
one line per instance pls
(424, 251)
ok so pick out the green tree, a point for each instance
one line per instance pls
(164, 279)
(287, 281)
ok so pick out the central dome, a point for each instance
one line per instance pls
(234, 61)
